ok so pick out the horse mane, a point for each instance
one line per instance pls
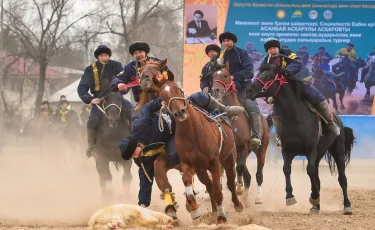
(296, 84)
(144, 98)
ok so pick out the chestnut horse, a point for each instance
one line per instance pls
(201, 145)
(224, 90)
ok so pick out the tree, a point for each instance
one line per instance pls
(156, 22)
(43, 27)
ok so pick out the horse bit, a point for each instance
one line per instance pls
(103, 109)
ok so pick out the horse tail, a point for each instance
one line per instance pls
(348, 144)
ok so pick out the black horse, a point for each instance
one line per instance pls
(112, 129)
(296, 120)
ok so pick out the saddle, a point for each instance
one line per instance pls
(214, 116)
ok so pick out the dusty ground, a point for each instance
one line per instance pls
(57, 191)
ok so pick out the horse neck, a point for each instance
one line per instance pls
(230, 99)
(290, 104)
(189, 124)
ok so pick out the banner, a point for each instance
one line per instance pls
(307, 28)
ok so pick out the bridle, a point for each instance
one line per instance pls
(103, 108)
(228, 88)
(266, 85)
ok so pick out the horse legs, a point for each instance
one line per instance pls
(160, 172)
(341, 97)
(205, 179)
(187, 178)
(240, 164)
(261, 158)
(316, 207)
(287, 168)
(311, 171)
(229, 166)
(217, 193)
(127, 176)
(336, 152)
(102, 166)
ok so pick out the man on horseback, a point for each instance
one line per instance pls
(242, 71)
(352, 56)
(106, 68)
(147, 141)
(369, 59)
(322, 58)
(139, 51)
(291, 65)
(211, 50)
(63, 114)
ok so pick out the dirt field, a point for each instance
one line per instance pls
(56, 191)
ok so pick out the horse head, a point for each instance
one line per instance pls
(173, 96)
(153, 69)
(111, 105)
(268, 82)
(223, 84)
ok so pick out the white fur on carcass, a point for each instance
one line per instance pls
(121, 216)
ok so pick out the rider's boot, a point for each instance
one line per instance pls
(276, 123)
(91, 140)
(325, 111)
(257, 127)
(229, 110)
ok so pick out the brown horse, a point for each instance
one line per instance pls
(224, 90)
(201, 145)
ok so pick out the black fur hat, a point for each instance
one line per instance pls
(213, 47)
(128, 146)
(139, 46)
(227, 35)
(271, 42)
(102, 49)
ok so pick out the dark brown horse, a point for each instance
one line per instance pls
(201, 145)
(224, 90)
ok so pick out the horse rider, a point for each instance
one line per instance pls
(242, 71)
(323, 58)
(291, 66)
(253, 53)
(367, 67)
(212, 50)
(63, 114)
(46, 108)
(146, 141)
(103, 68)
(349, 52)
(304, 55)
(139, 50)
(85, 112)
(63, 98)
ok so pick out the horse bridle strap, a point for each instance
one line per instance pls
(103, 109)
(266, 85)
(229, 88)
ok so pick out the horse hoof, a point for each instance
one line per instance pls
(348, 211)
(239, 190)
(239, 207)
(343, 108)
(176, 222)
(314, 211)
(258, 200)
(195, 214)
(314, 201)
(291, 201)
(221, 219)
(173, 215)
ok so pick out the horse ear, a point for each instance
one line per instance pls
(170, 75)
(162, 64)
(155, 81)
(226, 65)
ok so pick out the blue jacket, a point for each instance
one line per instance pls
(203, 77)
(112, 68)
(145, 127)
(288, 60)
(305, 56)
(130, 70)
(240, 67)
(325, 54)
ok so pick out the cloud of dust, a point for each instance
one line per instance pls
(52, 186)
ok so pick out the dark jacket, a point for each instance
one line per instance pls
(203, 77)
(130, 72)
(288, 60)
(202, 31)
(240, 67)
(112, 68)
